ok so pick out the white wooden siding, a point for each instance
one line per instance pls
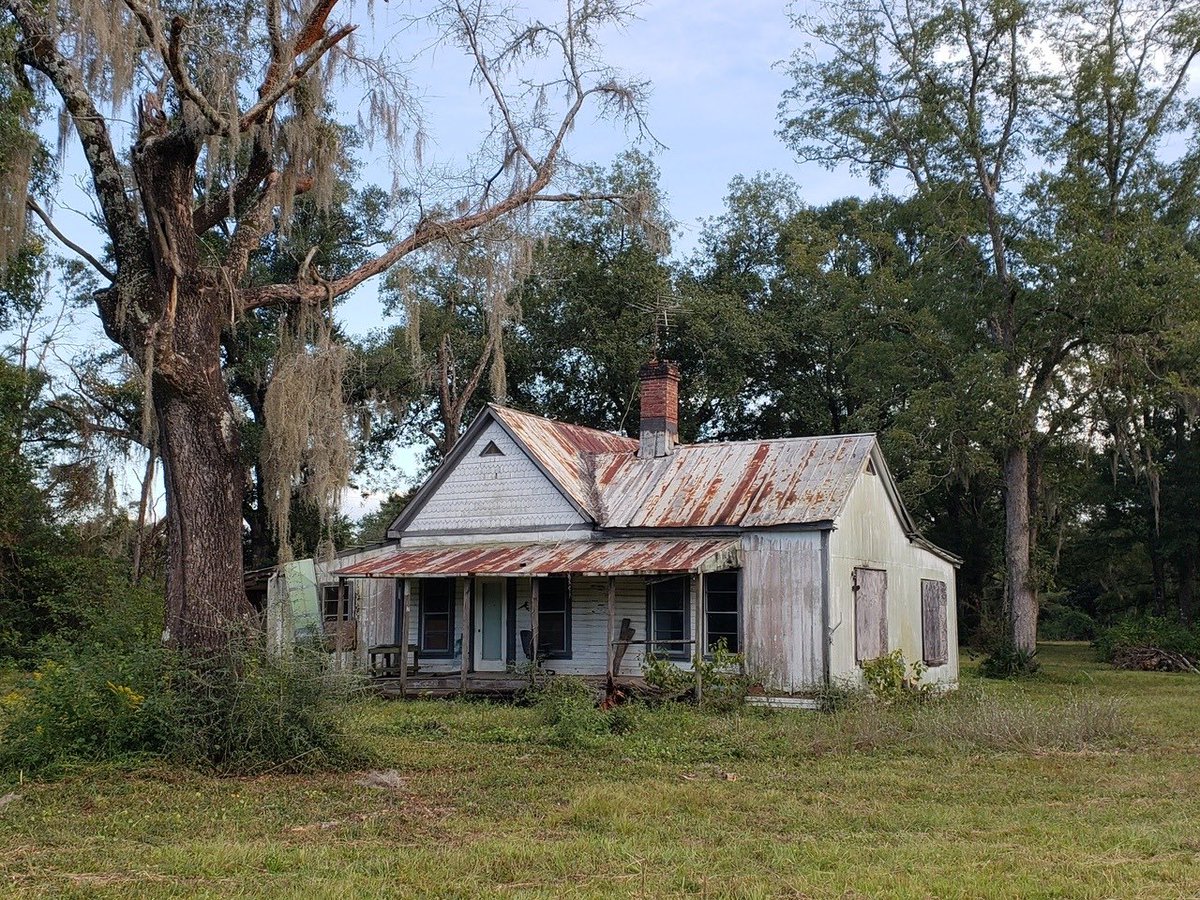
(589, 627)
(868, 534)
(782, 608)
(491, 493)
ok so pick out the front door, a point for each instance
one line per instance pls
(490, 625)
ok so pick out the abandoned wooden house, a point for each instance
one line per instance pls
(543, 544)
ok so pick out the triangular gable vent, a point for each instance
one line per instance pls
(491, 450)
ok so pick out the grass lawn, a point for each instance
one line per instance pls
(1033, 791)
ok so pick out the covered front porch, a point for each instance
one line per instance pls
(494, 618)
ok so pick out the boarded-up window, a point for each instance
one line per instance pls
(870, 613)
(933, 622)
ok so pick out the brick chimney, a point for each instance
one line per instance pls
(660, 409)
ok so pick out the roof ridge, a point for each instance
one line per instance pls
(560, 423)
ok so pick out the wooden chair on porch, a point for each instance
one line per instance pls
(393, 657)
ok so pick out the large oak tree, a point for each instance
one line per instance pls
(235, 109)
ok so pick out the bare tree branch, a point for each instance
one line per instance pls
(67, 242)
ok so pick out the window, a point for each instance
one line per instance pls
(870, 614)
(667, 617)
(933, 623)
(335, 606)
(721, 611)
(554, 617)
(436, 617)
(491, 450)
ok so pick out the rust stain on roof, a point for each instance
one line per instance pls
(788, 481)
(578, 557)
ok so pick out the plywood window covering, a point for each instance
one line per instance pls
(336, 608)
(436, 617)
(554, 618)
(722, 620)
(870, 614)
(667, 616)
(935, 645)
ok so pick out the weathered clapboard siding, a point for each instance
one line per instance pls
(494, 492)
(868, 534)
(589, 627)
(782, 608)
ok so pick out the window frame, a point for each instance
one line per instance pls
(567, 649)
(736, 612)
(451, 595)
(345, 611)
(684, 651)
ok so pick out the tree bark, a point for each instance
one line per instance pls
(206, 602)
(1022, 598)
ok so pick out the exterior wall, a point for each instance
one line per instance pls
(589, 627)
(868, 534)
(299, 588)
(494, 493)
(782, 617)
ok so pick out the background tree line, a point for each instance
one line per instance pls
(1013, 307)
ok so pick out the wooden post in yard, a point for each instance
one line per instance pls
(612, 625)
(697, 589)
(405, 596)
(533, 629)
(468, 585)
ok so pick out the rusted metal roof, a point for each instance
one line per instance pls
(577, 557)
(748, 484)
(566, 452)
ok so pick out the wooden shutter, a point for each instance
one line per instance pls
(933, 622)
(870, 613)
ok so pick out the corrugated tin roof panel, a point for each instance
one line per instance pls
(581, 557)
(747, 484)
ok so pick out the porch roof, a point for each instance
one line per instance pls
(650, 556)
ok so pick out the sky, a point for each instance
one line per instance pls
(715, 90)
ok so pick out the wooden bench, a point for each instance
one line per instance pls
(389, 654)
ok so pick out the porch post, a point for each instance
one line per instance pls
(697, 589)
(533, 628)
(468, 584)
(405, 595)
(612, 625)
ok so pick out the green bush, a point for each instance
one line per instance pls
(1007, 661)
(245, 713)
(1064, 623)
(723, 675)
(890, 678)
(567, 710)
(1148, 631)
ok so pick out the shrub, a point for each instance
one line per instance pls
(566, 708)
(244, 713)
(1064, 623)
(723, 675)
(1005, 660)
(890, 678)
(1148, 631)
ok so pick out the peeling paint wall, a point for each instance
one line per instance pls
(782, 608)
(868, 534)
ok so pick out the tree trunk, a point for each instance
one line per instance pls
(1022, 599)
(1187, 582)
(206, 601)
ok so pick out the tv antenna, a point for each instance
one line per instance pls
(663, 310)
